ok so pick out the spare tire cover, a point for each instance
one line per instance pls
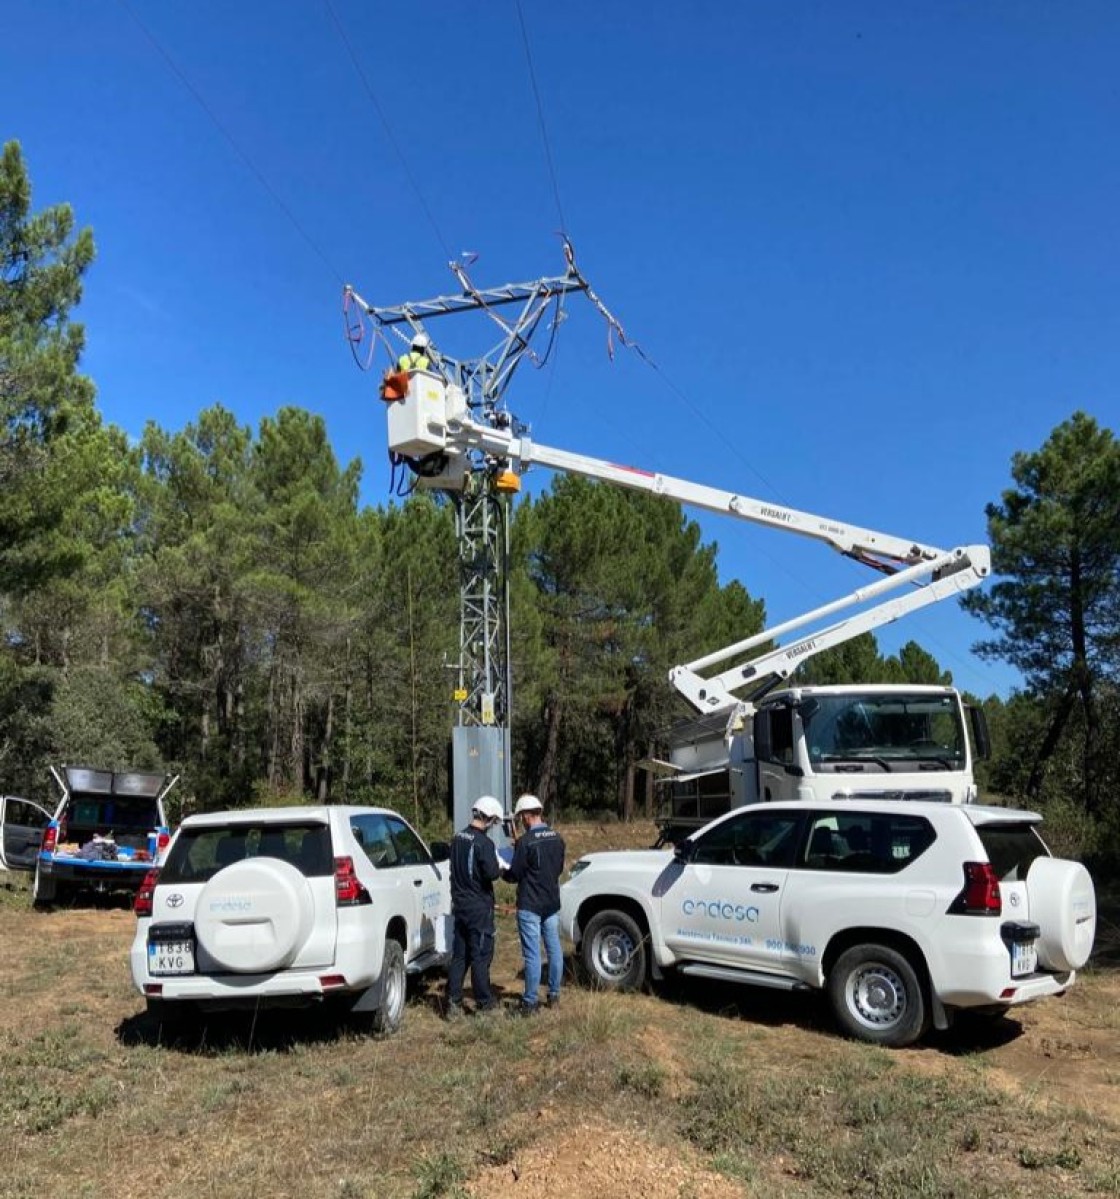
(1063, 903)
(254, 915)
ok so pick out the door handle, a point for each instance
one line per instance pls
(417, 882)
(765, 888)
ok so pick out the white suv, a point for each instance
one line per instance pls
(902, 911)
(288, 906)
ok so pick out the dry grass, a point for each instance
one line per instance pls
(710, 1092)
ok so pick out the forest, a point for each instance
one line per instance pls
(215, 600)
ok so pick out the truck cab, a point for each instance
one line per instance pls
(885, 741)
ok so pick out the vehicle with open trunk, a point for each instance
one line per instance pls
(102, 835)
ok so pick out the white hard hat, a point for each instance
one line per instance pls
(421, 341)
(528, 803)
(487, 807)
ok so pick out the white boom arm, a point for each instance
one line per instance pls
(905, 563)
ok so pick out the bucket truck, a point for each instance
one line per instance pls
(752, 739)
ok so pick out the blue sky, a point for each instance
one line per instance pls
(873, 248)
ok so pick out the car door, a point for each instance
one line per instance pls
(399, 876)
(725, 904)
(22, 822)
(429, 884)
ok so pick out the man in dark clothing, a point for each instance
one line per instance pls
(474, 867)
(538, 862)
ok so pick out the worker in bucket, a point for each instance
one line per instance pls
(474, 867)
(538, 862)
(418, 357)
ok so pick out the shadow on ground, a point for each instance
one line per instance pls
(208, 1034)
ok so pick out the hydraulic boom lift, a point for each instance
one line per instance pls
(446, 427)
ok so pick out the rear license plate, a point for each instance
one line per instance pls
(1024, 959)
(171, 957)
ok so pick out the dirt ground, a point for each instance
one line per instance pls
(1058, 1053)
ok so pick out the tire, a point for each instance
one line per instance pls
(613, 952)
(281, 904)
(877, 996)
(389, 1016)
(1063, 903)
(44, 890)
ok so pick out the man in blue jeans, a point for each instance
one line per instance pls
(538, 862)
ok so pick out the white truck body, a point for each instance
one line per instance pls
(753, 742)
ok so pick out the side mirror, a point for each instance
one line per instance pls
(441, 851)
(683, 850)
(981, 741)
(763, 742)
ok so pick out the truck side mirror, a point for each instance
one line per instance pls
(763, 739)
(981, 740)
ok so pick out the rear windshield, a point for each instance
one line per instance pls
(1011, 849)
(199, 853)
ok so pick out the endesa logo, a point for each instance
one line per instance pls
(720, 909)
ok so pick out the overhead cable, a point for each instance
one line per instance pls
(540, 119)
(387, 128)
(254, 169)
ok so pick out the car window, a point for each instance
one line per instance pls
(749, 839)
(24, 814)
(410, 848)
(1011, 849)
(866, 842)
(199, 853)
(371, 831)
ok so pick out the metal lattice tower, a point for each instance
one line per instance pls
(482, 524)
(483, 693)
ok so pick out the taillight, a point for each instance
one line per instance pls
(348, 889)
(162, 838)
(50, 839)
(142, 904)
(980, 896)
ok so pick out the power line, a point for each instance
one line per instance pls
(388, 129)
(201, 101)
(540, 118)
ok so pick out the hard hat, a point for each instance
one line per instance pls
(421, 341)
(487, 807)
(528, 803)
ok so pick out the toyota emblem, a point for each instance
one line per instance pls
(175, 900)
(1013, 899)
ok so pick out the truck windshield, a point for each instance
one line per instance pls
(894, 732)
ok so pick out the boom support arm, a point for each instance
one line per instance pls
(882, 551)
(921, 574)
(949, 574)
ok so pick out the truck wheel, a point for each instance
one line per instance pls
(613, 951)
(877, 996)
(44, 890)
(390, 1015)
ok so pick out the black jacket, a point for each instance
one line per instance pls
(474, 867)
(538, 862)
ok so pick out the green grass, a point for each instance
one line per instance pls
(771, 1099)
